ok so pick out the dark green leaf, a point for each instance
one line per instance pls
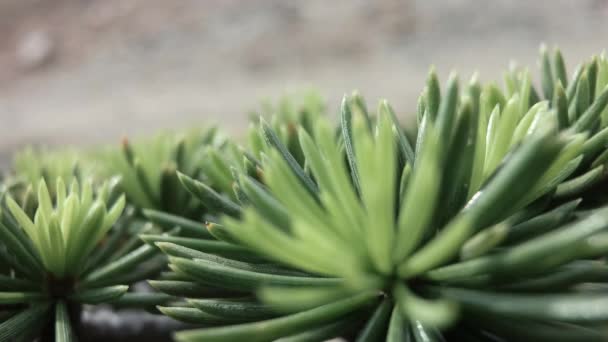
(23, 255)
(234, 308)
(24, 323)
(190, 289)
(192, 315)
(542, 223)
(592, 74)
(592, 114)
(398, 328)
(347, 136)
(11, 284)
(529, 255)
(274, 140)
(99, 295)
(63, 326)
(220, 233)
(322, 333)
(446, 115)
(559, 68)
(116, 235)
(279, 327)
(142, 300)
(529, 330)
(168, 221)
(120, 266)
(582, 307)
(563, 277)
(21, 297)
(375, 328)
(145, 183)
(571, 88)
(224, 249)
(560, 104)
(265, 202)
(209, 197)
(578, 185)
(433, 94)
(215, 274)
(406, 152)
(185, 252)
(546, 73)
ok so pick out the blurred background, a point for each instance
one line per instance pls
(90, 71)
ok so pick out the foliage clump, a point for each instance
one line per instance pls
(490, 225)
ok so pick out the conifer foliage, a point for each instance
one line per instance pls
(490, 224)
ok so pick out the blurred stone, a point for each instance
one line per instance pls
(35, 49)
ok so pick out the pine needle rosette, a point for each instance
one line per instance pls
(59, 258)
(471, 232)
(65, 233)
(30, 165)
(284, 118)
(488, 224)
(148, 169)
